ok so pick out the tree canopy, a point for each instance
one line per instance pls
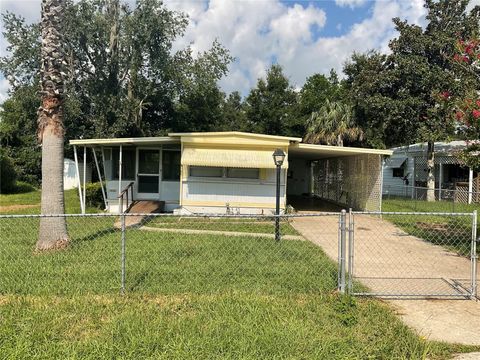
(124, 78)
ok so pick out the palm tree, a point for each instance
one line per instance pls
(53, 230)
(332, 124)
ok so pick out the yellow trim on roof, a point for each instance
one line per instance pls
(235, 134)
(252, 158)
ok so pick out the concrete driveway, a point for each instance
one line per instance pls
(389, 261)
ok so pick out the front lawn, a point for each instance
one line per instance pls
(187, 297)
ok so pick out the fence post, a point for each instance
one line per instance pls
(474, 255)
(351, 234)
(122, 217)
(341, 252)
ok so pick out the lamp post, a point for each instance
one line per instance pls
(278, 158)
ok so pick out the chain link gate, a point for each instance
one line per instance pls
(409, 254)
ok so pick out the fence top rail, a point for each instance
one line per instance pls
(413, 213)
(226, 216)
(237, 216)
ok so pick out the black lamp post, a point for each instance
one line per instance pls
(278, 158)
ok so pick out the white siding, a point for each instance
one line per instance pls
(395, 185)
(239, 195)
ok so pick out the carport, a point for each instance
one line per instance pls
(323, 177)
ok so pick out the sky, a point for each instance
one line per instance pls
(305, 37)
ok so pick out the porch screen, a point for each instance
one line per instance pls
(128, 163)
(350, 181)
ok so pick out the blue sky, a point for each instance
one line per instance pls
(305, 37)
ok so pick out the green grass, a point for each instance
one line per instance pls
(14, 203)
(252, 225)
(222, 326)
(452, 232)
(405, 204)
(187, 297)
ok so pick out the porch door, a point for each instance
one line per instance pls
(148, 175)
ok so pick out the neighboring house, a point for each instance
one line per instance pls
(405, 172)
(234, 172)
(70, 180)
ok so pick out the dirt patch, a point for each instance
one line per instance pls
(5, 208)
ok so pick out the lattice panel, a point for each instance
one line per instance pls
(353, 181)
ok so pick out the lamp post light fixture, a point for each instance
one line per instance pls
(278, 158)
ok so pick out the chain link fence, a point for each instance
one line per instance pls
(414, 198)
(412, 254)
(364, 253)
(161, 253)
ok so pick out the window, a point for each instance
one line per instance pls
(171, 165)
(128, 163)
(243, 173)
(219, 172)
(205, 171)
(398, 172)
(148, 161)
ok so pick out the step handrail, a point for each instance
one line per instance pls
(124, 195)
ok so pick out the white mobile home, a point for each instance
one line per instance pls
(231, 172)
(406, 170)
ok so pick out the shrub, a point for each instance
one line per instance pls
(94, 195)
(23, 187)
(8, 175)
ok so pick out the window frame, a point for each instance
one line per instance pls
(179, 153)
(224, 176)
(396, 170)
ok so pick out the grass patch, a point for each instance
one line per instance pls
(398, 204)
(251, 225)
(232, 325)
(452, 232)
(29, 203)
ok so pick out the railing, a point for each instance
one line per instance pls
(124, 199)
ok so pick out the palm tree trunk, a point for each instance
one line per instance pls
(431, 171)
(53, 230)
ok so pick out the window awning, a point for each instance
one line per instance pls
(261, 159)
(396, 162)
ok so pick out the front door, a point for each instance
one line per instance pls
(148, 175)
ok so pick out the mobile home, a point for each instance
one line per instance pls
(229, 172)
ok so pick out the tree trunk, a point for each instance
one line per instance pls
(431, 171)
(339, 140)
(53, 230)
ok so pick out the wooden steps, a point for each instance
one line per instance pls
(141, 207)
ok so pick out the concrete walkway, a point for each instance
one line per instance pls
(389, 261)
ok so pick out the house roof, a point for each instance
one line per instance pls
(238, 140)
(236, 134)
(127, 141)
(315, 152)
(440, 146)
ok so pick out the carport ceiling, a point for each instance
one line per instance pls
(315, 152)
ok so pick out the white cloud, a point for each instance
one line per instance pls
(4, 87)
(257, 32)
(350, 3)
